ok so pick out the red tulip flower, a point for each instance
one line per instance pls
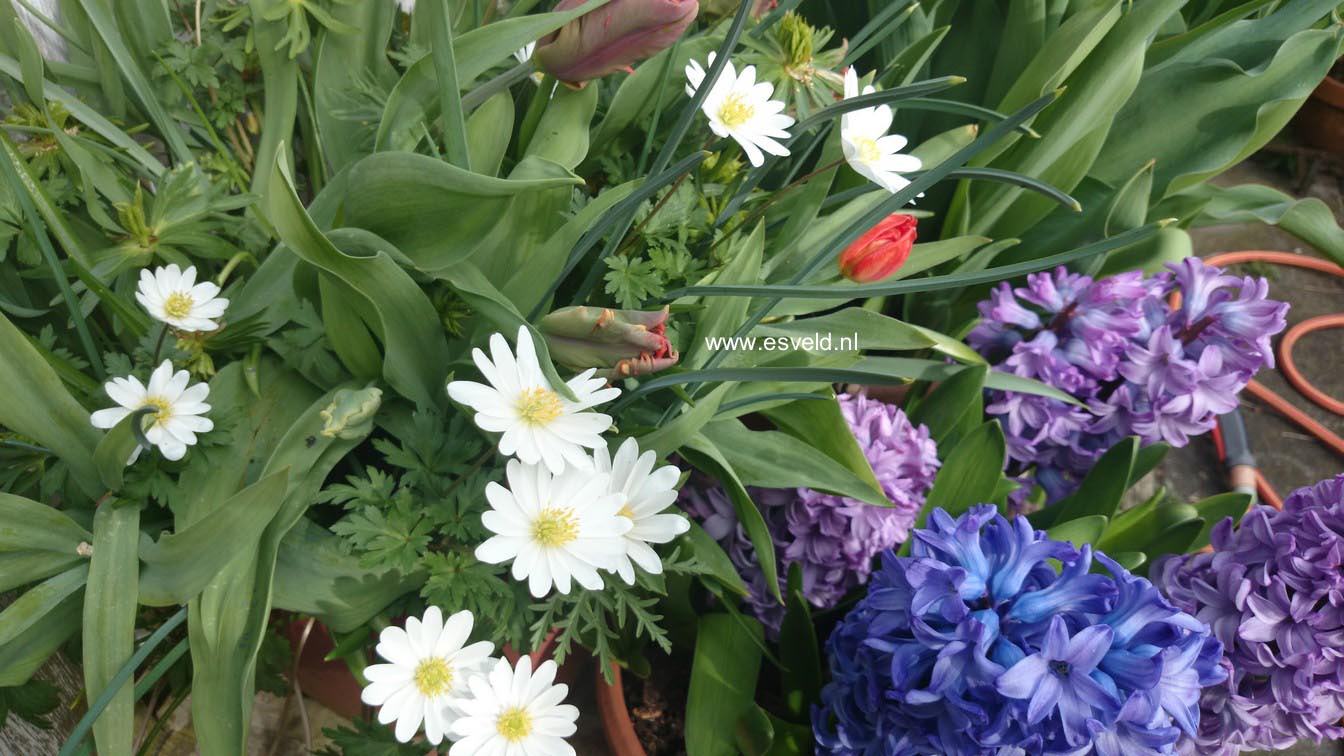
(880, 252)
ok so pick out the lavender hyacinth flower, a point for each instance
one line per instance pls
(975, 644)
(832, 538)
(1140, 367)
(1273, 592)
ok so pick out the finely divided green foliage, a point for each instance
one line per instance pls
(378, 193)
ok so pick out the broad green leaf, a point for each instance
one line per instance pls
(36, 405)
(755, 733)
(439, 214)
(1177, 539)
(1080, 530)
(713, 559)
(969, 474)
(227, 621)
(23, 567)
(1215, 509)
(489, 131)
(1148, 458)
(723, 683)
(1101, 490)
(36, 602)
(773, 459)
(1243, 81)
(109, 620)
(280, 88)
(669, 436)
(1308, 219)
(800, 650)
(343, 64)
(561, 136)
(415, 354)
(954, 406)
(27, 525)
(491, 305)
(179, 565)
(116, 448)
(821, 424)
(23, 655)
(704, 455)
(313, 576)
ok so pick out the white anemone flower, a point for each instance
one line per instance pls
(647, 493)
(172, 296)
(556, 529)
(406, 6)
(429, 666)
(524, 53)
(538, 424)
(740, 107)
(515, 712)
(868, 148)
(178, 409)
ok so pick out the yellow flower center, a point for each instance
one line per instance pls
(539, 406)
(868, 150)
(555, 526)
(627, 511)
(162, 409)
(433, 677)
(514, 724)
(178, 305)
(734, 112)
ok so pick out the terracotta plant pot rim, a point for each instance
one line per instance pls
(1331, 92)
(616, 723)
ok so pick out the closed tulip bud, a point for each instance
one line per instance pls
(880, 252)
(619, 343)
(612, 38)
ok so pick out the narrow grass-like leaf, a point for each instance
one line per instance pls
(103, 20)
(437, 17)
(932, 283)
(12, 166)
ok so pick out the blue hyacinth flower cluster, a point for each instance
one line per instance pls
(990, 638)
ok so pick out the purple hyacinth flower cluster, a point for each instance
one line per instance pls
(1273, 592)
(832, 538)
(1140, 367)
(975, 644)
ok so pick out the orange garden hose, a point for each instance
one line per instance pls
(1288, 366)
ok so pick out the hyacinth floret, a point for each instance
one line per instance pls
(833, 539)
(1140, 366)
(975, 644)
(1272, 590)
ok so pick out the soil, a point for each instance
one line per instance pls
(657, 704)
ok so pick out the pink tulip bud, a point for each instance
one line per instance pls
(612, 38)
(619, 343)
